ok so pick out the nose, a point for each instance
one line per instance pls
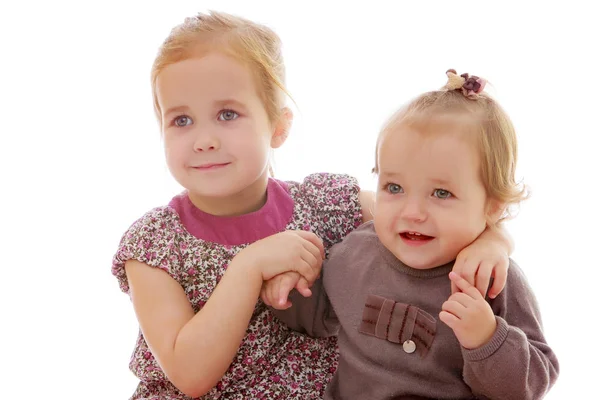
(413, 210)
(205, 141)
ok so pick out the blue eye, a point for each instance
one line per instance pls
(228, 115)
(394, 188)
(442, 194)
(182, 120)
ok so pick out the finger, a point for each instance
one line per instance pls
(459, 267)
(314, 239)
(263, 295)
(453, 287)
(500, 274)
(464, 286)
(484, 274)
(274, 294)
(454, 308)
(273, 290)
(449, 319)
(461, 298)
(310, 268)
(469, 270)
(316, 251)
(302, 287)
(286, 284)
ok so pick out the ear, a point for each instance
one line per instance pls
(282, 128)
(495, 210)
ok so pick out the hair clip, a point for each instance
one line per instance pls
(470, 86)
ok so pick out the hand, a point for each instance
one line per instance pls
(275, 291)
(468, 315)
(481, 261)
(298, 251)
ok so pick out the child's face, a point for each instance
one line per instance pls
(217, 134)
(431, 202)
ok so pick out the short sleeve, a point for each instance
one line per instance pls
(334, 199)
(149, 240)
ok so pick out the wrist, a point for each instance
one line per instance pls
(247, 269)
(487, 333)
(489, 348)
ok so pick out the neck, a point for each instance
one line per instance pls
(250, 199)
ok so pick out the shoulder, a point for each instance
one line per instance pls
(158, 220)
(327, 191)
(516, 278)
(360, 240)
(329, 203)
(149, 240)
(517, 293)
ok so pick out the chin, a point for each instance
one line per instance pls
(418, 264)
(215, 192)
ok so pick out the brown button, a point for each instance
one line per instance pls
(409, 346)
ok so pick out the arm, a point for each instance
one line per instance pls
(367, 204)
(312, 315)
(503, 345)
(486, 258)
(194, 351)
(512, 365)
(500, 236)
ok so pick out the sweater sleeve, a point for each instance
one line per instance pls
(315, 315)
(516, 363)
(312, 315)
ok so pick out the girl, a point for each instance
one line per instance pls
(446, 165)
(218, 87)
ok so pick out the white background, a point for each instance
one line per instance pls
(81, 156)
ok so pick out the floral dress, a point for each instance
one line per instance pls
(195, 248)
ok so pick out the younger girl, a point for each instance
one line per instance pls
(446, 165)
(218, 87)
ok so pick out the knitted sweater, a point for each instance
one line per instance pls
(392, 344)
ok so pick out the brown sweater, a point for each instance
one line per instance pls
(393, 345)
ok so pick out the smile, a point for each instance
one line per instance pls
(210, 166)
(415, 238)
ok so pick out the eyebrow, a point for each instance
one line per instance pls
(388, 174)
(177, 109)
(219, 103)
(231, 102)
(395, 175)
(442, 182)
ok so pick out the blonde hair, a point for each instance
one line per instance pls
(480, 116)
(254, 45)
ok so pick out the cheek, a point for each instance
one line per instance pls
(384, 216)
(463, 224)
(173, 151)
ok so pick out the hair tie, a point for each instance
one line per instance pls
(470, 86)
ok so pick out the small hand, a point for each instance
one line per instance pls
(276, 290)
(468, 314)
(298, 251)
(481, 261)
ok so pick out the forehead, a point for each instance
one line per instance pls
(443, 154)
(208, 76)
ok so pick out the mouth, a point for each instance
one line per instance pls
(210, 166)
(412, 237)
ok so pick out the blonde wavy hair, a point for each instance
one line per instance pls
(255, 46)
(459, 105)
